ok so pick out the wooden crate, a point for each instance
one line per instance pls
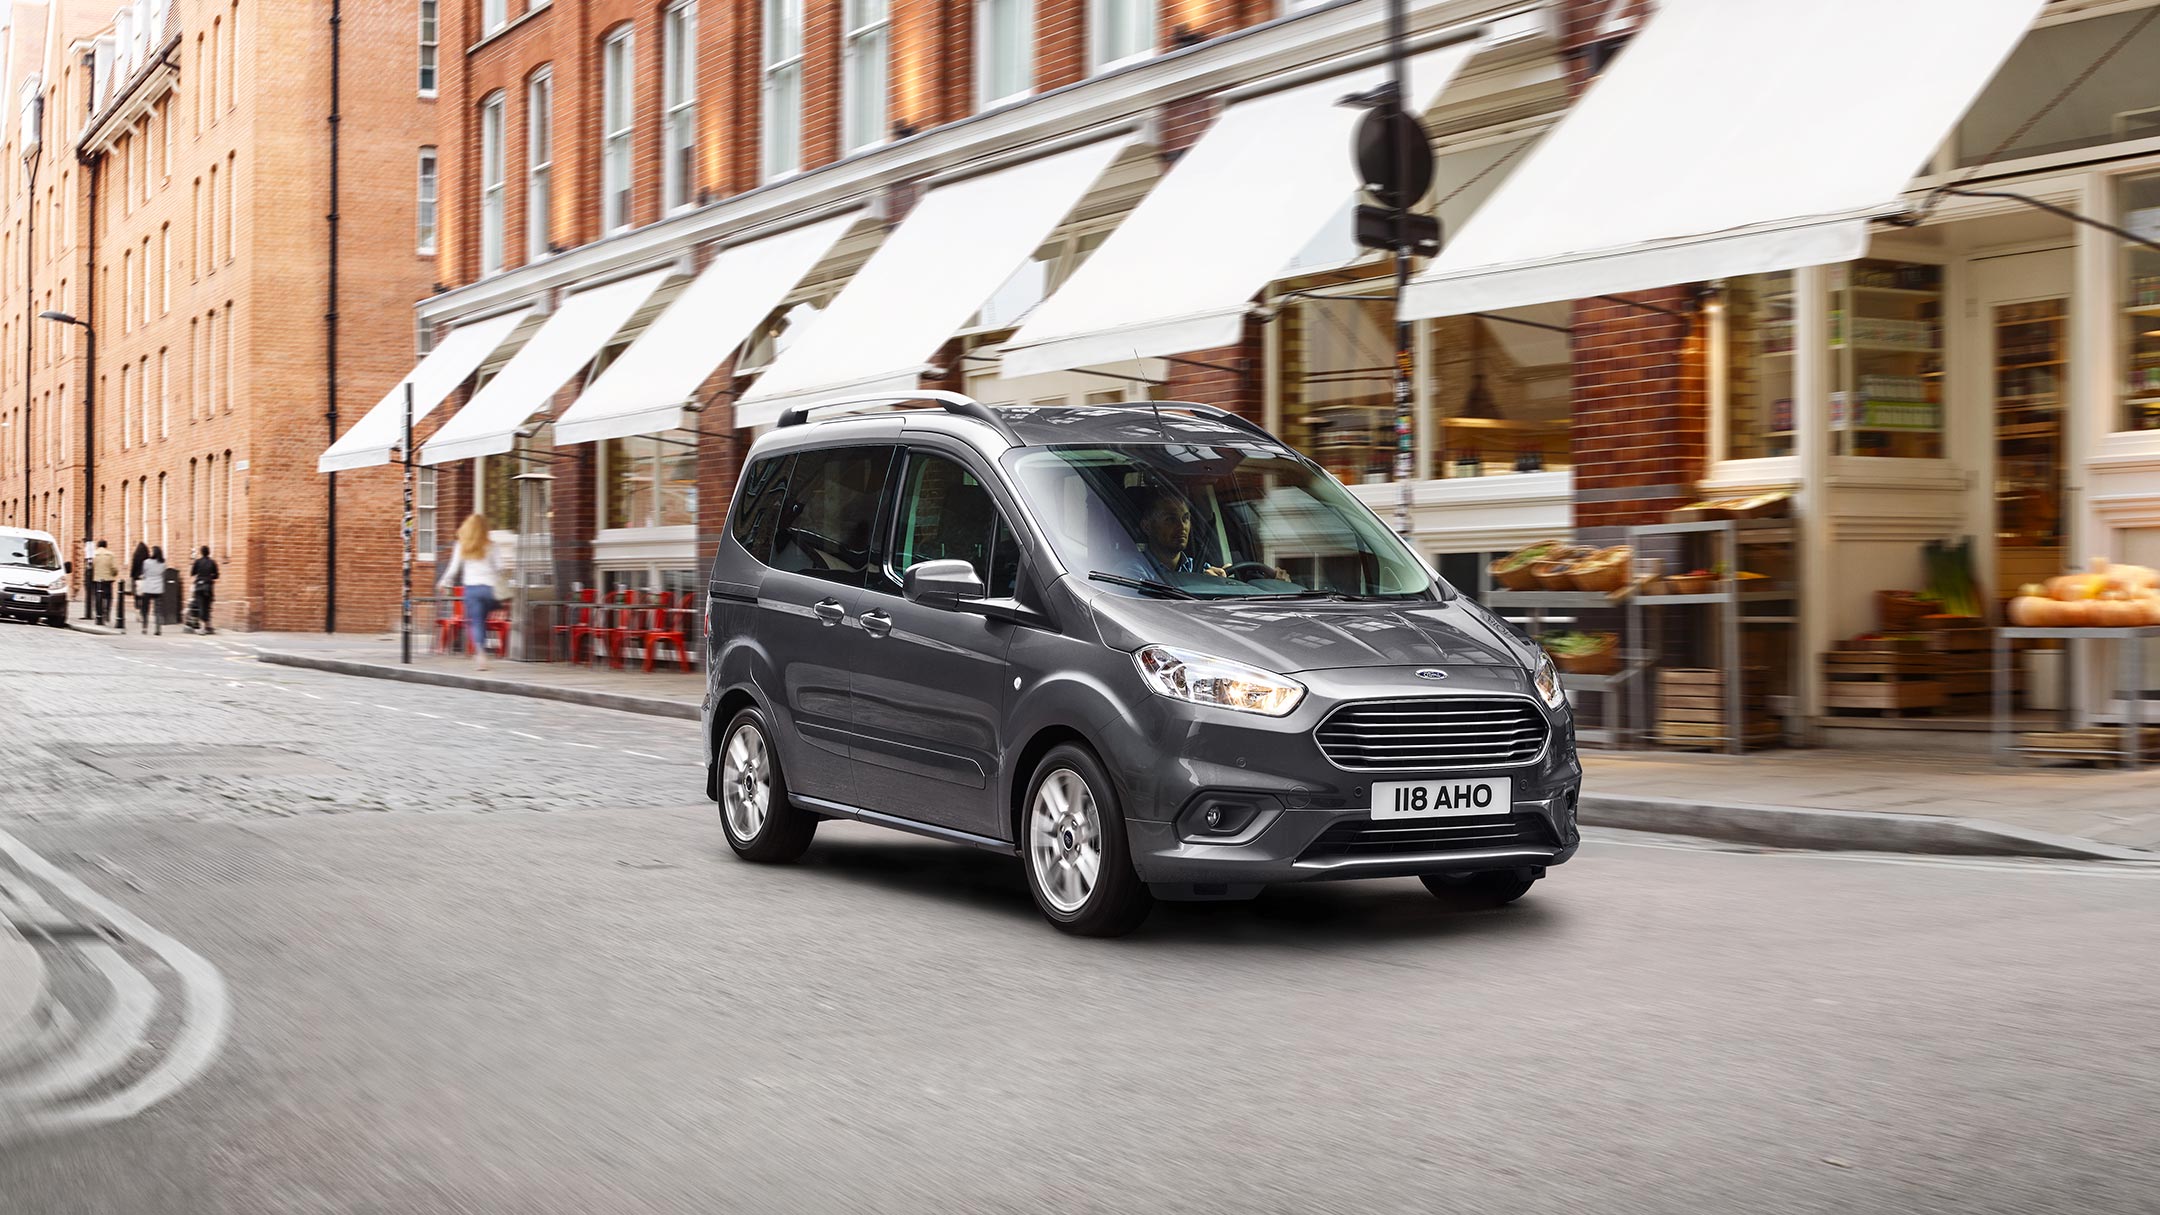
(1886, 697)
(2097, 739)
(1691, 709)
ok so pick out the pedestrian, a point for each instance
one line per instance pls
(205, 574)
(136, 560)
(149, 588)
(104, 570)
(475, 570)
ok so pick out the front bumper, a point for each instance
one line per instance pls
(1300, 817)
(40, 604)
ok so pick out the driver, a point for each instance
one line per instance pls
(1166, 542)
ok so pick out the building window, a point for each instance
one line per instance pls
(864, 57)
(781, 137)
(651, 482)
(1502, 391)
(494, 14)
(1005, 30)
(491, 184)
(539, 161)
(1886, 359)
(428, 10)
(424, 514)
(1119, 30)
(232, 192)
(2140, 202)
(618, 107)
(164, 269)
(2120, 101)
(680, 80)
(426, 209)
(1337, 385)
(1752, 332)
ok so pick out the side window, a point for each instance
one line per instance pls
(947, 514)
(757, 506)
(826, 512)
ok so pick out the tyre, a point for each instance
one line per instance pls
(755, 814)
(1073, 848)
(1495, 888)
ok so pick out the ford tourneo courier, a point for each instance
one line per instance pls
(1146, 648)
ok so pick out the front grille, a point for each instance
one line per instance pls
(1433, 733)
(1364, 837)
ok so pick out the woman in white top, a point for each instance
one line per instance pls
(474, 567)
(149, 588)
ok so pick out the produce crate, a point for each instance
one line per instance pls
(1691, 710)
(1886, 676)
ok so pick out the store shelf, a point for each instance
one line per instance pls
(2029, 366)
(1884, 348)
(1907, 292)
(2142, 310)
(1722, 597)
(1500, 597)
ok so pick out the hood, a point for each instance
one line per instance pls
(1288, 637)
(23, 575)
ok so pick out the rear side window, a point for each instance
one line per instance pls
(947, 514)
(827, 509)
(757, 505)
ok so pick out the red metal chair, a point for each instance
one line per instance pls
(579, 629)
(619, 612)
(667, 629)
(498, 628)
(450, 627)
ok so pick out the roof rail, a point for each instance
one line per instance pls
(1216, 412)
(954, 403)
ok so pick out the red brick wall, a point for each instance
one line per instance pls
(1641, 408)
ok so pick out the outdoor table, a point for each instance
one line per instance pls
(2134, 686)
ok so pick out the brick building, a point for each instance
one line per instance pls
(825, 154)
(183, 180)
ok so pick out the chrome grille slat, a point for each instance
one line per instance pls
(1431, 734)
(1371, 837)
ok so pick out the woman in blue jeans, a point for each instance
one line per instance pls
(475, 569)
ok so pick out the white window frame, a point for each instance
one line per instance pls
(430, 46)
(1102, 56)
(491, 184)
(539, 161)
(494, 15)
(781, 60)
(1023, 12)
(618, 123)
(865, 72)
(424, 539)
(679, 105)
(426, 212)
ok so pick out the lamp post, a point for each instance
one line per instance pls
(89, 402)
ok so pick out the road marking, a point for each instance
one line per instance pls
(475, 725)
(587, 746)
(429, 716)
(645, 755)
(523, 734)
(390, 708)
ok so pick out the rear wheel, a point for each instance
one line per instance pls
(1073, 846)
(755, 813)
(1495, 888)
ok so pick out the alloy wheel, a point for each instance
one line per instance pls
(746, 782)
(1065, 840)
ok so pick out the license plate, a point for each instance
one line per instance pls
(20, 598)
(1442, 798)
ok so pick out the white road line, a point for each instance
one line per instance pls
(475, 725)
(390, 708)
(429, 716)
(195, 1040)
(645, 755)
(587, 746)
(523, 734)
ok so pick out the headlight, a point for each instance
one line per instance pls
(1547, 678)
(1204, 680)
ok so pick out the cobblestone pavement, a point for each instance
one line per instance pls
(186, 728)
(489, 955)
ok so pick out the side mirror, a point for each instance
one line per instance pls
(940, 584)
(67, 567)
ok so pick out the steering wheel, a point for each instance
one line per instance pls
(1246, 571)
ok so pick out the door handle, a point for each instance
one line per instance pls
(877, 624)
(831, 611)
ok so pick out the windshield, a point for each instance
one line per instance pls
(1183, 520)
(34, 551)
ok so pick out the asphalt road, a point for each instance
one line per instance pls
(492, 955)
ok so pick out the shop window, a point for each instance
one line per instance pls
(1337, 385)
(650, 482)
(1886, 359)
(499, 489)
(2141, 305)
(1502, 392)
(2121, 101)
(1752, 319)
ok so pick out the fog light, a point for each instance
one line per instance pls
(1213, 817)
(1224, 815)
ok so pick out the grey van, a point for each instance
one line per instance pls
(1147, 648)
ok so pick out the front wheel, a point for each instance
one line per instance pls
(760, 822)
(1496, 888)
(1072, 840)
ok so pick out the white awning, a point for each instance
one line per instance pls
(643, 392)
(1229, 217)
(1730, 137)
(377, 434)
(959, 244)
(489, 423)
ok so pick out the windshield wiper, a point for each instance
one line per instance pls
(1141, 584)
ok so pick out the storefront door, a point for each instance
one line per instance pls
(2024, 314)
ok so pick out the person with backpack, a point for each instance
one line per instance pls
(205, 575)
(149, 588)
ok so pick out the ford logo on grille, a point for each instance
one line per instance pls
(1431, 673)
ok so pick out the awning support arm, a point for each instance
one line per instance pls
(1516, 320)
(1657, 308)
(1912, 218)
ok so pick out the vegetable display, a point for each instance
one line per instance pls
(2106, 596)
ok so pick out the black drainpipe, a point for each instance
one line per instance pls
(90, 165)
(330, 317)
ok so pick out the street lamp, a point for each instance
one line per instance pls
(89, 402)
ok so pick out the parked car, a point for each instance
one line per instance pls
(1148, 648)
(33, 578)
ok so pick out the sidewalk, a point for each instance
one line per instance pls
(1831, 799)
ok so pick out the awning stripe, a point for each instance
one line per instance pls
(376, 435)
